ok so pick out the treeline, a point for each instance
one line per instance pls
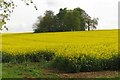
(66, 20)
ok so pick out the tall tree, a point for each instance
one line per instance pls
(72, 20)
(88, 22)
(82, 18)
(60, 18)
(94, 23)
(66, 20)
(46, 23)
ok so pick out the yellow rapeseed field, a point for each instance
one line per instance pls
(94, 43)
(101, 44)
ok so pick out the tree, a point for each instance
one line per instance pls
(48, 19)
(88, 22)
(60, 18)
(66, 20)
(82, 18)
(46, 23)
(7, 7)
(37, 26)
(94, 23)
(72, 21)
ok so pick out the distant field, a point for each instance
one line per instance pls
(69, 51)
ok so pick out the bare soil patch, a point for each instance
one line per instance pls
(99, 74)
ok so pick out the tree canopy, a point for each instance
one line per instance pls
(66, 20)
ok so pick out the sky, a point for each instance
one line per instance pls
(23, 17)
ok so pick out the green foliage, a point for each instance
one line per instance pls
(85, 64)
(67, 64)
(19, 71)
(46, 23)
(65, 20)
(37, 57)
(1, 23)
(72, 21)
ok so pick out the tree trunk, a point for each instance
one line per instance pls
(88, 28)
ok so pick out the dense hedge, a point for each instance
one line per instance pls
(83, 63)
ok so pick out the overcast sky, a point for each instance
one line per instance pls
(24, 17)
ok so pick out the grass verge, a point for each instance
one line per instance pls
(44, 70)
